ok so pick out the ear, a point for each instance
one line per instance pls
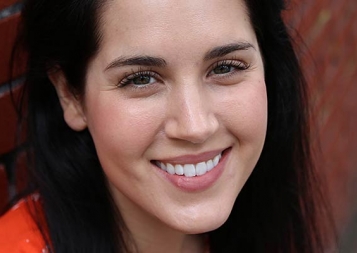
(73, 112)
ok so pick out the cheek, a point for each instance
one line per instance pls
(122, 127)
(245, 108)
(245, 118)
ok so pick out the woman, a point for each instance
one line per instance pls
(147, 118)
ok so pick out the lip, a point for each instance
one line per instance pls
(192, 159)
(197, 183)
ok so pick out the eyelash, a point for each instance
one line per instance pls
(237, 64)
(129, 78)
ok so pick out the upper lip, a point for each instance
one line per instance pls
(192, 158)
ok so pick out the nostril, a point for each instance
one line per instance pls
(193, 122)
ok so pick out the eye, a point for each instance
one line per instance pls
(222, 69)
(228, 66)
(142, 80)
(139, 79)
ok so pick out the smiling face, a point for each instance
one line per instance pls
(175, 101)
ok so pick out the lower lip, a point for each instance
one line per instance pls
(198, 183)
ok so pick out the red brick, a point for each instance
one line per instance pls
(4, 187)
(8, 121)
(332, 73)
(7, 3)
(8, 31)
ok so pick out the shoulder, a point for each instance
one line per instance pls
(18, 231)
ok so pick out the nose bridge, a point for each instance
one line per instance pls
(191, 117)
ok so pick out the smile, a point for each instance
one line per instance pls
(190, 170)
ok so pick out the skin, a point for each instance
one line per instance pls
(187, 108)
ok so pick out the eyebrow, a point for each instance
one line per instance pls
(227, 49)
(137, 60)
(150, 61)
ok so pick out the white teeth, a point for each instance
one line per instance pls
(216, 160)
(201, 168)
(179, 170)
(210, 165)
(190, 170)
(170, 169)
(163, 166)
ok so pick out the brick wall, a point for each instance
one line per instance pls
(329, 31)
(10, 145)
(329, 55)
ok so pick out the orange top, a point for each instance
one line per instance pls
(18, 231)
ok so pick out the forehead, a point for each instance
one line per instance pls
(160, 25)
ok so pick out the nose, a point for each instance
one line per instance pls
(190, 115)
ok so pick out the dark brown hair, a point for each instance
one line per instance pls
(277, 209)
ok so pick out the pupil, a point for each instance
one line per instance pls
(222, 69)
(141, 80)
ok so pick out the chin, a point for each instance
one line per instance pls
(203, 224)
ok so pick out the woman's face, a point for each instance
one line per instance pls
(175, 101)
